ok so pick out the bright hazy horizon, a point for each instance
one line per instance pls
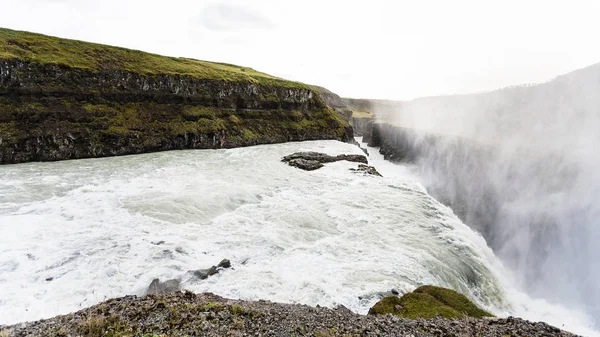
(377, 49)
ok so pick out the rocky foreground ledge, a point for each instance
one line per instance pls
(189, 314)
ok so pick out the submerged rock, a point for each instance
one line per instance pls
(310, 161)
(157, 287)
(367, 170)
(224, 264)
(429, 302)
(307, 165)
(205, 273)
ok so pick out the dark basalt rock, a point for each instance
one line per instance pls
(366, 170)
(224, 264)
(325, 158)
(307, 165)
(205, 273)
(157, 287)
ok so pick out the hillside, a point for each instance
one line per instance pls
(66, 99)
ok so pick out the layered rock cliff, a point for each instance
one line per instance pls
(64, 99)
(360, 113)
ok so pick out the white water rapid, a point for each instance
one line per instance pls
(324, 237)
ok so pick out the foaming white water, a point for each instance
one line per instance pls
(325, 237)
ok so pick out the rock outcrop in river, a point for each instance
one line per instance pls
(310, 161)
(65, 99)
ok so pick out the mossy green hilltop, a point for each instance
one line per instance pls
(42, 49)
(66, 99)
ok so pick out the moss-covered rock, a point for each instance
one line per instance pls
(429, 302)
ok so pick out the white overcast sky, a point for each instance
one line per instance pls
(370, 49)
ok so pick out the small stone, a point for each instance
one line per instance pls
(158, 243)
(49, 279)
(395, 292)
(398, 307)
(224, 264)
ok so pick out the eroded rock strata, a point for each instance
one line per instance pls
(63, 99)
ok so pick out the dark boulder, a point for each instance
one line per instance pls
(325, 158)
(224, 264)
(307, 165)
(314, 160)
(366, 170)
(205, 273)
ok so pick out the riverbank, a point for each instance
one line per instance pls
(65, 99)
(189, 314)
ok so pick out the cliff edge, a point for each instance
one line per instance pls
(65, 99)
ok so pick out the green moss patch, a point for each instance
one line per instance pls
(454, 300)
(429, 302)
(42, 49)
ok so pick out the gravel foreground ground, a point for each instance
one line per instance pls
(189, 314)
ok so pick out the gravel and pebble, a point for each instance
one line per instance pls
(188, 314)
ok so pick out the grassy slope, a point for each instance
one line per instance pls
(85, 55)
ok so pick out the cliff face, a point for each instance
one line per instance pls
(360, 113)
(104, 101)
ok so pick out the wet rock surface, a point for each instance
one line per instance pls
(189, 314)
(366, 169)
(205, 273)
(307, 165)
(310, 161)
